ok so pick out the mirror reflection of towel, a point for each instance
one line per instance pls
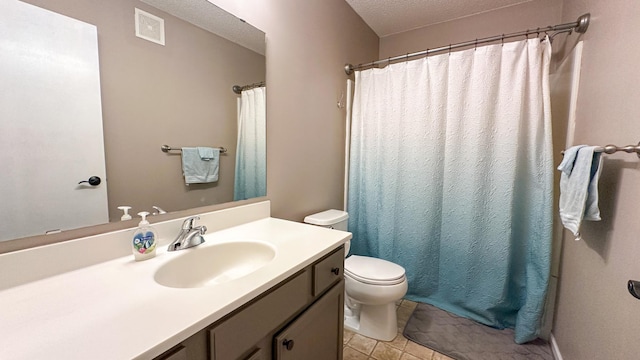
(198, 169)
(206, 153)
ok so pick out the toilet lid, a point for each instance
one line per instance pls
(373, 271)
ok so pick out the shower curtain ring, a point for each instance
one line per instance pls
(475, 45)
(449, 49)
(502, 39)
(538, 32)
(527, 34)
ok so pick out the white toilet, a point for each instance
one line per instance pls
(372, 286)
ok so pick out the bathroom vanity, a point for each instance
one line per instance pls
(88, 298)
(300, 318)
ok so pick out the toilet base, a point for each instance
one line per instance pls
(378, 322)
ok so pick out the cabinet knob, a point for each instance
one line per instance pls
(335, 271)
(288, 344)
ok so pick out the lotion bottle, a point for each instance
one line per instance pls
(144, 239)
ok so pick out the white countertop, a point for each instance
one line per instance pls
(115, 309)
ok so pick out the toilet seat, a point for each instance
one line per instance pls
(373, 271)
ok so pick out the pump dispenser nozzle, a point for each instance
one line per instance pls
(143, 215)
(126, 215)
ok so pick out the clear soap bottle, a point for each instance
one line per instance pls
(144, 239)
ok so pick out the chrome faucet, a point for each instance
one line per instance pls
(158, 210)
(189, 235)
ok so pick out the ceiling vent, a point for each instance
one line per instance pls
(149, 27)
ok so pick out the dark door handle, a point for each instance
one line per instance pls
(633, 287)
(93, 181)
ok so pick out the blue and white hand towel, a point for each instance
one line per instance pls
(581, 169)
(198, 169)
(207, 153)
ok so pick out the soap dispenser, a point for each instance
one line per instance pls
(144, 239)
(126, 215)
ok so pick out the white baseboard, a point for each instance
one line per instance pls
(555, 349)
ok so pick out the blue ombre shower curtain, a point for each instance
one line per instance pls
(451, 177)
(251, 152)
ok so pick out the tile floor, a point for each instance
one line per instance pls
(358, 347)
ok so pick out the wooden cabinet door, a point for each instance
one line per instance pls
(317, 333)
(236, 337)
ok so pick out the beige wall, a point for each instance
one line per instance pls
(178, 94)
(529, 15)
(596, 318)
(308, 43)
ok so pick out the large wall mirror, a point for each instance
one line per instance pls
(165, 74)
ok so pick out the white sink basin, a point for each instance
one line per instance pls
(214, 264)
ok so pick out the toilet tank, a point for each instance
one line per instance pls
(334, 219)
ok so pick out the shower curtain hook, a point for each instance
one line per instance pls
(527, 34)
(475, 45)
(538, 32)
(502, 39)
(449, 49)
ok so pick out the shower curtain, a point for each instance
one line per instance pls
(451, 177)
(251, 151)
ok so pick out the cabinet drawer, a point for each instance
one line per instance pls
(328, 271)
(238, 335)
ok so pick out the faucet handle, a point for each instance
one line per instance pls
(158, 210)
(188, 222)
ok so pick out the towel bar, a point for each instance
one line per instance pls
(167, 148)
(610, 149)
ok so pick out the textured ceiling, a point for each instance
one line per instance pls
(387, 17)
(205, 15)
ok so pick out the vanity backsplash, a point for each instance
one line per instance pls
(24, 266)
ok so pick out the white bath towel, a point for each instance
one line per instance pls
(580, 168)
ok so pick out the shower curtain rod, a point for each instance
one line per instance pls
(238, 89)
(579, 26)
